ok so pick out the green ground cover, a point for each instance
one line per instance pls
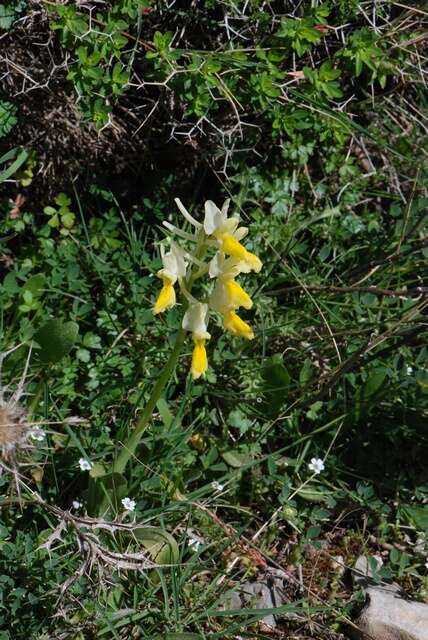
(312, 118)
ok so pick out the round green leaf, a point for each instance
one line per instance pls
(159, 543)
(35, 284)
(56, 339)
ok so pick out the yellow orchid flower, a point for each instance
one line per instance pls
(195, 320)
(228, 235)
(228, 294)
(174, 267)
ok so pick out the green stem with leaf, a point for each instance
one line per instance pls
(130, 446)
(132, 443)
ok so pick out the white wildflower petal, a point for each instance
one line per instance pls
(76, 504)
(225, 207)
(36, 433)
(218, 298)
(194, 544)
(316, 465)
(85, 465)
(128, 504)
(180, 259)
(217, 486)
(231, 226)
(226, 268)
(174, 264)
(241, 233)
(195, 320)
(216, 266)
(187, 215)
(214, 218)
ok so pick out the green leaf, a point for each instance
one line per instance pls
(234, 459)
(313, 532)
(373, 383)
(22, 157)
(62, 200)
(28, 297)
(415, 515)
(275, 374)
(68, 219)
(306, 372)
(311, 495)
(49, 211)
(98, 470)
(36, 284)
(358, 65)
(7, 16)
(276, 381)
(314, 410)
(161, 545)
(56, 339)
(10, 284)
(113, 485)
(54, 221)
(180, 636)
(8, 117)
(268, 87)
(165, 413)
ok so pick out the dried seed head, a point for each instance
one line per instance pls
(13, 427)
(14, 424)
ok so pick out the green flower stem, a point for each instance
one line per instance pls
(132, 443)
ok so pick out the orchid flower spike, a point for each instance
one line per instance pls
(195, 320)
(174, 267)
(228, 235)
(189, 264)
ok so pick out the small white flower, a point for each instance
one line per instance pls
(217, 486)
(85, 465)
(76, 504)
(36, 433)
(128, 504)
(409, 371)
(316, 465)
(194, 544)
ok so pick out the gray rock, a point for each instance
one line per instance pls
(387, 615)
(267, 592)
